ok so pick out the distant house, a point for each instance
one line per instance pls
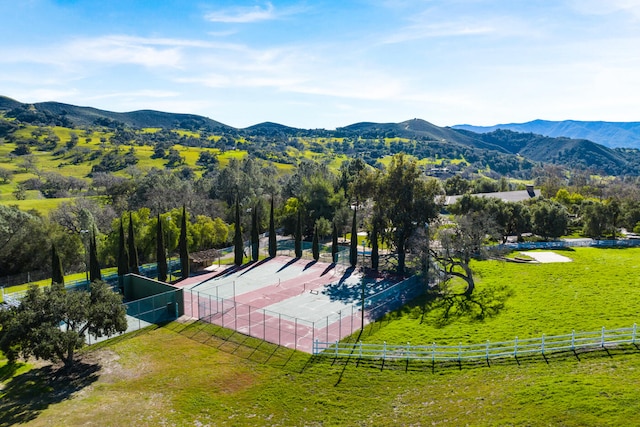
(438, 171)
(505, 196)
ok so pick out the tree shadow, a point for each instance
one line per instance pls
(27, 395)
(291, 262)
(349, 292)
(443, 308)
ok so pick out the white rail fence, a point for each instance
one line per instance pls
(490, 350)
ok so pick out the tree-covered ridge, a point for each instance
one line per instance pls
(504, 152)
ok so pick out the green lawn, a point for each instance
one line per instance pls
(198, 374)
(599, 288)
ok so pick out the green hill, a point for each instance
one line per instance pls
(501, 151)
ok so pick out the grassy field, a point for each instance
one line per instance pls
(198, 374)
(598, 288)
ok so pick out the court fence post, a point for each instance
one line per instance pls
(351, 330)
(198, 293)
(327, 330)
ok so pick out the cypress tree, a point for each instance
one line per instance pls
(255, 236)
(238, 250)
(133, 252)
(334, 243)
(123, 258)
(94, 265)
(183, 245)
(375, 256)
(315, 245)
(298, 236)
(57, 275)
(353, 249)
(273, 244)
(161, 256)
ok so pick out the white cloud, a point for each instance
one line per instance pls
(449, 29)
(147, 93)
(600, 7)
(243, 15)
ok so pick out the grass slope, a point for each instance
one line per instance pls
(199, 374)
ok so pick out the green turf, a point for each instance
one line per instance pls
(599, 288)
(199, 374)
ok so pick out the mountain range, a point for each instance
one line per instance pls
(499, 148)
(609, 134)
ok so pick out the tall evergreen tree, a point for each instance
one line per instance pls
(315, 245)
(57, 275)
(161, 255)
(183, 245)
(238, 249)
(133, 252)
(94, 265)
(298, 236)
(123, 258)
(255, 236)
(334, 243)
(273, 244)
(353, 249)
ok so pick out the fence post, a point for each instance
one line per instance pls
(264, 324)
(515, 347)
(249, 320)
(327, 330)
(336, 347)
(279, 327)
(360, 355)
(313, 331)
(198, 304)
(487, 350)
(633, 335)
(340, 324)
(459, 352)
(573, 339)
(351, 330)
(433, 353)
(222, 312)
(542, 346)
(408, 351)
(295, 333)
(384, 350)
(602, 338)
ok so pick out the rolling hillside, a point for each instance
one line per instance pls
(502, 151)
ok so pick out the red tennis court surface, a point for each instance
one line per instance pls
(286, 301)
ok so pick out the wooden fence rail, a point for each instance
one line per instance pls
(486, 351)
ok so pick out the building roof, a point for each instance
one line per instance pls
(505, 196)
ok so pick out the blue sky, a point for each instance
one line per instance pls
(325, 64)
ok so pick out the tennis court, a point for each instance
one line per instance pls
(286, 301)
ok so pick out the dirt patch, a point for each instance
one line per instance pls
(547, 257)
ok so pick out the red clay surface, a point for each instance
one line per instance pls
(286, 301)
